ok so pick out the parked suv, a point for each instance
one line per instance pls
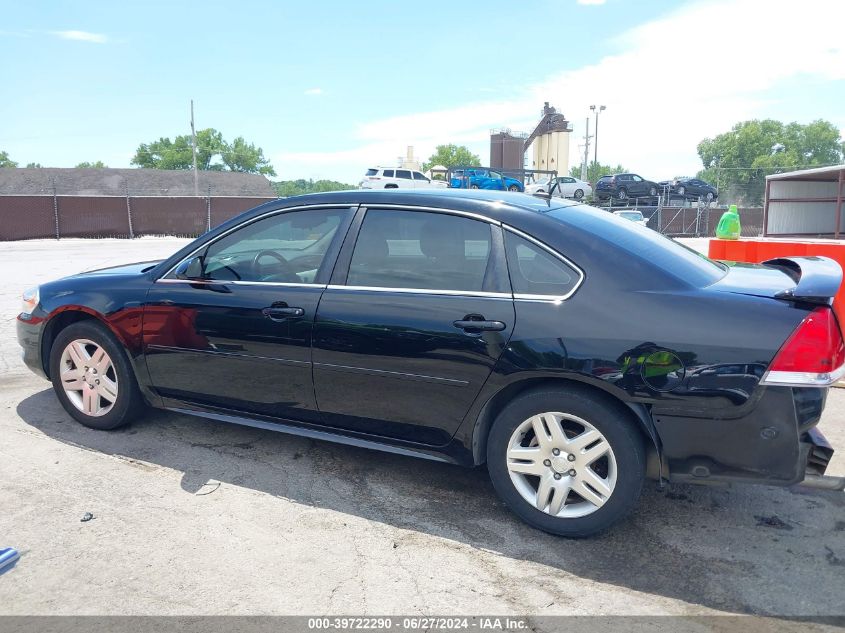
(394, 178)
(621, 187)
(484, 179)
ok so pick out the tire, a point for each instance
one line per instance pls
(579, 194)
(473, 186)
(622, 194)
(513, 188)
(709, 196)
(391, 186)
(624, 463)
(681, 191)
(653, 192)
(88, 338)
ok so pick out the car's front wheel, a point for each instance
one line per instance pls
(579, 193)
(473, 186)
(513, 188)
(92, 377)
(567, 462)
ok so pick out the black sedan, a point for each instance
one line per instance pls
(466, 327)
(693, 188)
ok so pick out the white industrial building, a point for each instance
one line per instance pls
(805, 203)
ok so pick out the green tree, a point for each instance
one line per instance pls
(5, 161)
(595, 171)
(246, 157)
(451, 155)
(177, 154)
(96, 165)
(287, 188)
(213, 153)
(34, 166)
(739, 160)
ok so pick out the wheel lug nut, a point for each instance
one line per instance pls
(547, 462)
(556, 451)
(571, 457)
(557, 475)
(572, 473)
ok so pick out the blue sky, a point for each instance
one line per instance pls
(329, 88)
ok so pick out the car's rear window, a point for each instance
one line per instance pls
(372, 172)
(674, 258)
(605, 179)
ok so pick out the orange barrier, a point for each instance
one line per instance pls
(762, 249)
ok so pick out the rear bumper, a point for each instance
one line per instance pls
(776, 443)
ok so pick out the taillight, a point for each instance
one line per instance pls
(813, 356)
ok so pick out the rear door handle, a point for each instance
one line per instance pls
(280, 314)
(489, 326)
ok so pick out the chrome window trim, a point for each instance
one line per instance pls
(304, 207)
(425, 291)
(411, 207)
(547, 298)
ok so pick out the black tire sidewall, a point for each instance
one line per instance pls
(611, 420)
(127, 396)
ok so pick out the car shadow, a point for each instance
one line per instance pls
(709, 546)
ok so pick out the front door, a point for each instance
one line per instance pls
(404, 342)
(231, 326)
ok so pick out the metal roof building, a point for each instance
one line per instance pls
(805, 203)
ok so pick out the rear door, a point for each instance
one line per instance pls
(418, 312)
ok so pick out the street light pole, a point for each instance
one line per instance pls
(596, 133)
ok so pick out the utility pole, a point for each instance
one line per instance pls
(586, 152)
(596, 143)
(194, 150)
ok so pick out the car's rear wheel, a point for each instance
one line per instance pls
(681, 191)
(92, 377)
(513, 188)
(391, 186)
(622, 194)
(567, 462)
(579, 193)
(709, 196)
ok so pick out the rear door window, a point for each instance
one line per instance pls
(403, 173)
(420, 250)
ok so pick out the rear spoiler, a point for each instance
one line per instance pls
(817, 279)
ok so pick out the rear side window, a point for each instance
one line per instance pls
(414, 249)
(388, 173)
(372, 172)
(403, 173)
(535, 271)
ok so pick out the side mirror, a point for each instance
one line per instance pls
(190, 269)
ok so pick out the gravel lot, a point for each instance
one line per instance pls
(199, 517)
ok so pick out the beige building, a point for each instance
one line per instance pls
(550, 142)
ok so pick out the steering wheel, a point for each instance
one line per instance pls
(287, 269)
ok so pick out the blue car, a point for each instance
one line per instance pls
(483, 179)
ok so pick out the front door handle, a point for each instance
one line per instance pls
(479, 325)
(280, 314)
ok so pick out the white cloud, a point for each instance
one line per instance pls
(313, 91)
(591, 2)
(665, 89)
(82, 36)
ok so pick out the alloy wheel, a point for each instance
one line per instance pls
(88, 377)
(561, 464)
